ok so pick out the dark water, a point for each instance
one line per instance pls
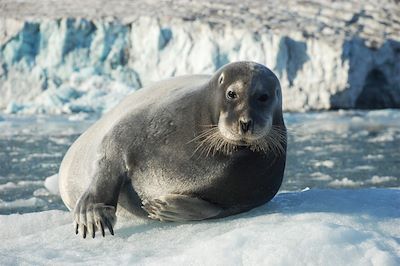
(352, 149)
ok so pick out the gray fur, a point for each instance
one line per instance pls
(146, 150)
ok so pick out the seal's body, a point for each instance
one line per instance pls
(189, 148)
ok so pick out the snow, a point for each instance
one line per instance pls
(313, 227)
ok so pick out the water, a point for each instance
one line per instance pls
(351, 149)
(342, 149)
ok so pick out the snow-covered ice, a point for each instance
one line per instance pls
(313, 227)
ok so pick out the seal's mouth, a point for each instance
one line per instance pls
(243, 140)
(212, 141)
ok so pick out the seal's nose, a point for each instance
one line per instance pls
(245, 125)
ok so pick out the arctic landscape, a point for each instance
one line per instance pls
(63, 64)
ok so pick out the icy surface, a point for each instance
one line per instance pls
(340, 55)
(314, 227)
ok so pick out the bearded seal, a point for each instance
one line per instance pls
(188, 148)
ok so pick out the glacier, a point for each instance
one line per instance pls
(327, 57)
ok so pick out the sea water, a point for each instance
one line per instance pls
(326, 150)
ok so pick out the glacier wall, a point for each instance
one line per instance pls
(73, 65)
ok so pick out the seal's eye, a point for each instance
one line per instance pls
(221, 79)
(263, 98)
(231, 95)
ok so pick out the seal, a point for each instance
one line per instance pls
(188, 148)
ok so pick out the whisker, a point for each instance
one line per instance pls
(209, 125)
(274, 141)
(210, 142)
(201, 135)
(207, 141)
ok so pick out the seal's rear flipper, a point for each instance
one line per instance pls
(176, 207)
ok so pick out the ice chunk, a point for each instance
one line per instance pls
(51, 183)
(381, 179)
(345, 182)
(21, 203)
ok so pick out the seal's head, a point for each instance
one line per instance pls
(249, 108)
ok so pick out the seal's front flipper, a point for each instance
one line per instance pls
(91, 217)
(96, 207)
(176, 207)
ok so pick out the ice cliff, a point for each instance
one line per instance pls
(342, 54)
